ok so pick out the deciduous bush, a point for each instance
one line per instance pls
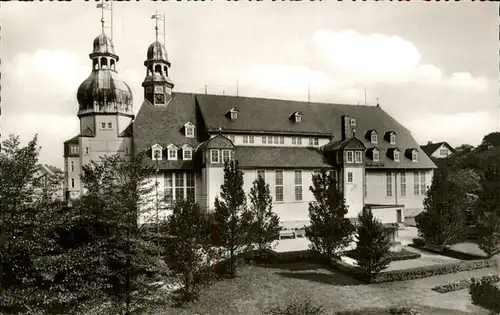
(295, 308)
(486, 293)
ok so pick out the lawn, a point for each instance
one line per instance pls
(258, 288)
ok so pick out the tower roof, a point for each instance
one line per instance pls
(157, 52)
(103, 45)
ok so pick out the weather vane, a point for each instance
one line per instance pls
(108, 7)
(159, 17)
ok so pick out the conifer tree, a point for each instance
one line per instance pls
(329, 232)
(262, 225)
(372, 245)
(443, 220)
(189, 253)
(228, 213)
(487, 211)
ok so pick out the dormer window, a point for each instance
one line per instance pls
(390, 136)
(353, 122)
(396, 156)
(187, 152)
(189, 130)
(414, 156)
(172, 152)
(358, 155)
(349, 156)
(376, 155)
(233, 113)
(296, 117)
(156, 152)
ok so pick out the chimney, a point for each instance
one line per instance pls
(346, 128)
(429, 143)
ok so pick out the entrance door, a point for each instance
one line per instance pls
(399, 215)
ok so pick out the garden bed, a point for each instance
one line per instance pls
(464, 284)
(403, 254)
(443, 250)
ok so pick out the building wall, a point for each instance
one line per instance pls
(387, 215)
(439, 154)
(377, 190)
(353, 192)
(72, 174)
(215, 178)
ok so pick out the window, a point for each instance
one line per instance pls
(169, 188)
(127, 151)
(416, 190)
(414, 156)
(86, 150)
(214, 156)
(353, 122)
(403, 184)
(72, 183)
(298, 185)
(189, 132)
(349, 177)
(190, 185)
(278, 179)
(282, 140)
(226, 155)
(251, 139)
(187, 154)
(276, 139)
(231, 137)
(422, 183)
(172, 154)
(350, 157)
(74, 149)
(103, 125)
(245, 139)
(358, 156)
(297, 140)
(72, 163)
(389, 184)
(313, 141)
(179, 186)
(376, 155)
(110, 125)
(264, 139)
(365, 186)
(443, 152)
(298, 118)
(373, 138)
(393, 138)
(396, 156)
(261, 173)
(234, 114)
(157, 154)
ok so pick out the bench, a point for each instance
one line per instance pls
(287, 233)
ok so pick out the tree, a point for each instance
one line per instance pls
(329, 231)
(262, 224)
(189, 253)
(228, 211)
(27, 240)
(372, 243)
(487, 213)
(443, 220)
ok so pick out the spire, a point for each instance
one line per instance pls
(108, 7)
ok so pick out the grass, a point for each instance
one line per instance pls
(256, 289)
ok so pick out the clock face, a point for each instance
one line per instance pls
(158, 89)
(159, 99)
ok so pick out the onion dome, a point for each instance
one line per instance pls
(157, 53)
(103, 45)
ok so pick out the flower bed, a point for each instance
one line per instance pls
(486, 293)
(465, 283)
(403, 254)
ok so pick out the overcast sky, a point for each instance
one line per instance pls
(434, 66)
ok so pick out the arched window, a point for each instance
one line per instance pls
(165, 69)
(112, 63)
(104, 63)
(158, 69)
(95, 64)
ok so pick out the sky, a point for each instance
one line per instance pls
(432, 65)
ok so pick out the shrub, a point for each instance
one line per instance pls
(392, 256)
(403, 310)
(486, 294)
(302, 308)
(418, 241)
(465, 283)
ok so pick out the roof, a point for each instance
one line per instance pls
(165, 125)
(270, 116)
(73, 140)
(429, 149)
(352, 143)
(219, 142)
(283, 157)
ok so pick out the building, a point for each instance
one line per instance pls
(51, 179)
(188, 136)
(440, 150)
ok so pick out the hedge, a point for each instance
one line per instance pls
(465, 283)
(486, 294)
(443, 250)
(403, 254)
(413, 273)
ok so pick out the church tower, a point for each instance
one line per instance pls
(105, 110)
(157, 84)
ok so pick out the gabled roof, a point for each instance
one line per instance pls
(352, 143)
(73, 140)
(280, 157)
(429, 149)
(217, 142)
(156, 145)
(171, 145)
(184, 146)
